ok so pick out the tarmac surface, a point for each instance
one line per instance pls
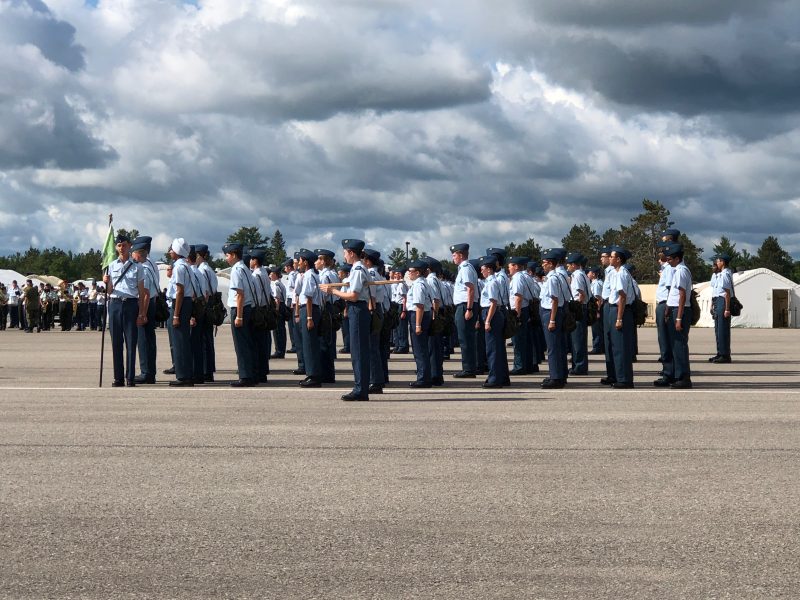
(455, 492)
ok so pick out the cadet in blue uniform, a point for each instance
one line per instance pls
(435, 341)
(595, 275)
(206, 273)
(240, 306)
(181, 313)
(344, 276)
(418, 307)
(377, 377)
(553, 298)
(480, 338)
(307, 317)
(262, 340)
(722, 292)
(493, 302)
(146, 336)
(677, 373)
(465, 295)
(521, 294)
(621, 333)
(279, 295)
(579, 289)
(291, 277)
(399, 292)
(357, 298)
(127, 309)
(327, 341)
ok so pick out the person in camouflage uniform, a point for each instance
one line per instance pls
(31, 301)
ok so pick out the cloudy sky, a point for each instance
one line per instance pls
(432, 121)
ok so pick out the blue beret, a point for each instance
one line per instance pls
(345, 267)
(434, 264)
(288, 263)
(673, 249)
(140, 246)
(605, 250)
(488, 261)
(550, 254)
(232, 247)
(630, 267)
(595, 270)
(419, 265)
(459, 248)
(372, 254)
(296, 255)
(561, 253)
(122, 238)
(499, 251)
(144, 240)
(575, 257)
(661, 244)
(323, 252)
(724, 256)
(258, 254)
(354, 245)
(276, 270)
(673, 233)
(518, 260)
(539, 271)
(201, 248)
(532, 264)
(307, 255)
(474, 262)
(246, 257)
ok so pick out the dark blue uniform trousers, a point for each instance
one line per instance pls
(310, 339)
(678, 367)
(243, 343)
(279, 336)
(124, 333)
(580, 358)
(260, 354)
(556, 344)
(435, 350)
(327, 351)
(401, 333)
(722, 328)
(198, 359)
(359, 322)
(622, 343)
(182, 342)
(597, 335)
(661, 330)
(420, 345)
(376, 375)
(346, 333)
(496, 357)
(209, 354)
(467, 338)
(523, 346)
(609, 319)
(146, 344)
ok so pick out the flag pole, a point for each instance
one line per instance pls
(105, 321)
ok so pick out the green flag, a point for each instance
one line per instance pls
(109, 248)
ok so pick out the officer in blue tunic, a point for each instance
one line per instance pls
(722, 292)
(357, 297)
(493, 303)
(207, 274)
(580, 291)
(377, 378)
(307, 317)
(677, 372)
(419, 305)
(127, 309)
(621, 333)
(553, 298)
(465, 295)
(344, 276)
(146, 344)
(595, 275)
(327, 341)
(262, 340)
(240, 306)
(435, 341)
(521, 291)
(279, 294)
(181, 314)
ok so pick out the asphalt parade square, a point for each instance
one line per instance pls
(452, 492)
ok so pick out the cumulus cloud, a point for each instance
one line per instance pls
(431, 122)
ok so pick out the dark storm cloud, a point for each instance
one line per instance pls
(31, 22)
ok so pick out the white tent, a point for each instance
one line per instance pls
(7, 276)
(769, 300)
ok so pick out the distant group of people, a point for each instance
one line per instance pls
(35, 308)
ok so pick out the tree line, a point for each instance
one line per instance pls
(639, 236)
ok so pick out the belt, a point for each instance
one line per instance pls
(112, 299)
(357, 302)
(663, 302)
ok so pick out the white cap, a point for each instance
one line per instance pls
(180, 247)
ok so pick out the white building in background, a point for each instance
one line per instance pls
(769, 300)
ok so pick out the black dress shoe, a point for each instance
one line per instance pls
(437, 381)
(243, 383)
(489, 385)
(354, 397)
(344, 351)
(552, 384)
(311, 383)
(403, 351)
(419, 384)
(298, 372)
(375, 389)
(464, 375)
(518, 372)
(170, 371)
(713, 358)
(182, 383)
(722, 360)
(130, 383)
(291, 351)
(118, 383)
(662, 382)
(681, 384)
(622, 386)
(608, 381)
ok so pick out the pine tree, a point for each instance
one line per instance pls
(772, 256)
(527, 248)
(583, 239)
(725, 246)
(277, 248)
